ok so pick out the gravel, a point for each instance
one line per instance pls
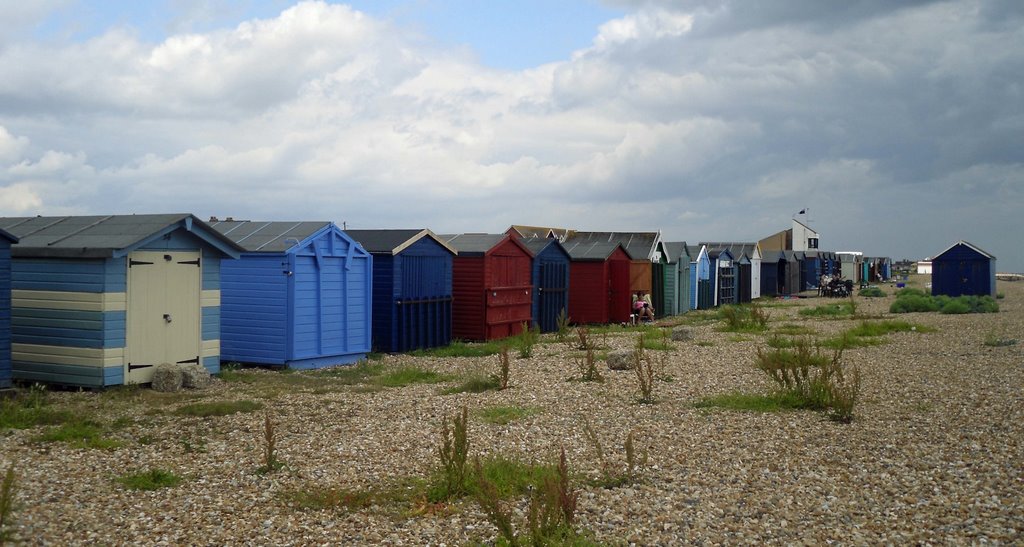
(933, 456)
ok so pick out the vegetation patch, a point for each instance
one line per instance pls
(916, 300)
(218, 408)
(871, 292)
(79, 434)
(476, 383)
(793, 329)
(153, 479)
(996, 341)
(317, 498)
(840, 309)
(818, 380)
(881, 328)
(30, 408)
(503, 415)
(359, 373)
(775, 402)
(748, 318)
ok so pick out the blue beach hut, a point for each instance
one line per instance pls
(6, 240)
(99, 300)
(299, 296)
(550, 281)
(964, 269)
(702, 293)
(412, 288)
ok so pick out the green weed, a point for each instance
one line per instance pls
(744, 318)
(79, 434)
(502, 415)
(153, 479)
(459, 348)
(8, 504)
(871, 292)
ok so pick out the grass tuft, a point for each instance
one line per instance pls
(79, 434)
(503, 415)
(406, 376)
(774, 402)
(459, 348)
(153, 479)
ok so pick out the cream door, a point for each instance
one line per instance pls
(164, 314)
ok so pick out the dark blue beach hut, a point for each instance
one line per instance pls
(550, 281)
(723, 275)
(964, 269)
(299, 296)
(412, 288)
(99, 300)
(6, 240)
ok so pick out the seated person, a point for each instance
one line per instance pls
(642, 306)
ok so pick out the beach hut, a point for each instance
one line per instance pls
(702, 294)
(599, 277)
(964, 269)
(723, 275)
(550, 277)
(299, 296)
(6, 240)
(748, 267)
(412, 288)
(677, 277)
(850, 265)
(100, 300)
(641, 247)
(491, 286)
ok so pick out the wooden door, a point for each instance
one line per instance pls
(164, 315)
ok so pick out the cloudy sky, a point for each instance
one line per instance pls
(899, 125)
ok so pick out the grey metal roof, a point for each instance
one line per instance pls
(638, 245)
(102, 236)
(267, 236)
(674, 250)
(8, 236)
(394, 241)
(736, 249)
(773, 256)
(590, 250)
(536, 245)
(473, 244)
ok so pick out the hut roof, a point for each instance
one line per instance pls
(103, 236)
(394, 241)
(268, 236)
(969, 245)
(473, 244)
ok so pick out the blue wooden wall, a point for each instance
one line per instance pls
(551, 286)
(412, 294)
(305, 308)
(5, 312)
(68, 315)
(700, 277)
(961, 270)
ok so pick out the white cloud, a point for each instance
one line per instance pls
(713, 117)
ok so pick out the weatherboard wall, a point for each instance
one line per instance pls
(550, 274)
(69, 316)
(964, 270)
(412, 294)
(307, 307)
(5, 312)
(492, 292)
(600, 289)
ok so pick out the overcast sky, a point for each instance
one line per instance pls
(898, 125)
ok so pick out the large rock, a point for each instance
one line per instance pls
(167, 377)
(621, 359)
(680, 334)
(195, 376)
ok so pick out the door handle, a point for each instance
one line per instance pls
(167, 317)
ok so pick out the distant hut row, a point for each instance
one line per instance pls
(100, 300)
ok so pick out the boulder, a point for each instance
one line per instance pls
(620, 359)
(680, 334)
(167, 377)
(195, 376)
